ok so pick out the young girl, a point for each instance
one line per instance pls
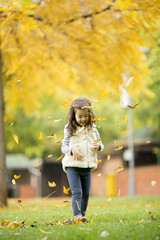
(80, 145)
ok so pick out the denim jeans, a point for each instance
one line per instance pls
(80, 183)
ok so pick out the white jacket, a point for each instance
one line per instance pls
(83, 139)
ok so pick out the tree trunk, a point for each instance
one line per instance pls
(3, 175)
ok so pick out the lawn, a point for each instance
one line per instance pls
(117, 218)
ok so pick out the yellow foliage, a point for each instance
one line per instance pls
(82, 47)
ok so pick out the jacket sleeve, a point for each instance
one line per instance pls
(98, 138)
(65, 143)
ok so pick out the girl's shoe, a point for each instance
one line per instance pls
(83, 219)
(78, 217)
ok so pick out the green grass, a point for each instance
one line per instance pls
(121, 218)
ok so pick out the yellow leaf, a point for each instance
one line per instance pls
(37, 162)
(65, 104)
(96, 141)
(108, 157)
(40, 136)
(15, 138)
(148, 141)
(104, 94)
(126, 118)
(87, 107)
(60, 158)
(118, 148)
(120, 169)
(99, 161)
(53, 184)
(16, 177)
(156, 204)
(13, 181)
(58, 120)
(115, 142)
(99, 174)
(66, 190)
(132, 107)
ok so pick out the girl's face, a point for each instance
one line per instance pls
(82, 116)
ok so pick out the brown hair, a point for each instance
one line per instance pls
(78, 103)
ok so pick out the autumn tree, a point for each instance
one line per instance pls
(71, 47)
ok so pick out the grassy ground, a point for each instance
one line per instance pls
(111, 219)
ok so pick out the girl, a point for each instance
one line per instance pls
(80, 145)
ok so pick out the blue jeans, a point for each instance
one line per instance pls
(80, 183)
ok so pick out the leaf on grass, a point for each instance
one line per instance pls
(118, 148)
(156, 204)
(108, 157)
(52, 184)
(132, 107)
(40, 136)
(44, 231)
(78, 206)
(13, 181)
(17, 234)
(153, 217)
(120, 169)
(66, 190)
(104, 234)
(16, 176)
(60, 158)
(15, 138)
(58, 205)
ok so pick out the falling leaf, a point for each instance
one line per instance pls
(65, 104)
(40, 136)
(87, 107)
(15, 138)
(58, 120)
(126, 119)
(120, 169)
(99, 174)
(153, 183)
(99, 161)
(93, 100)
(116, 143)
(132, 107)
(16, 177)
(53, 184)
(156, 204)
(119, 192)
(66, 190)
(98, 140)
(18, 204)
(11, 124)
(108, 157)
(37, 162)
(49, 156)
(148, 141)
(78, 206)
(98, 119)
(13, 181)
(118, 148)
(60, 158)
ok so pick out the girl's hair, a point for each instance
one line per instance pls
(78, 103)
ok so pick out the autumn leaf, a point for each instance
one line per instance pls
(99, 161)
(65, 104)
(16, 177)
(153, 183)
(15, 138)
(60, 158)
(126, 119)
(156, 204)
(132, 107)
(52, 184)
(120, 169)
(66, 190)
(87, 107)
(40, 136)
(36, 162)
(99, 174)
(98, 119)
(58, 120)
(148, 141)
(116, 143)
(104, 94)
(49, 156)
(13, 181)
(96, 141)
(108, 157)
(118, 148)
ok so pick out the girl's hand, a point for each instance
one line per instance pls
(76, 154)
(95, 147)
